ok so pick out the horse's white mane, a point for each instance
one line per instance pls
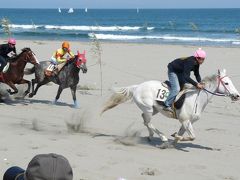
(211, 78)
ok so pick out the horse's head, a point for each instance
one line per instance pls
(226, 87)
(29, 56)
(81, 61)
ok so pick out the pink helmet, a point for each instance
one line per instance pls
(11, 41)
(200, 53)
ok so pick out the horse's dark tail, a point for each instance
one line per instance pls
(28, 71)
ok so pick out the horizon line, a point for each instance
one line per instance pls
(119, 8)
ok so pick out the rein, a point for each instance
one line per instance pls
(219, 94)
(216, 94)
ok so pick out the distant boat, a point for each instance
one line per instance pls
(137, 10)
(86, 9)
(70, 10)
(59, 10)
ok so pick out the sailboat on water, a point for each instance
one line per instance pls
(137, 10)
(70, 10)
(59, 10)
(86, 10)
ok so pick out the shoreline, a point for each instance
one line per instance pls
(131, 42)
(102, 42)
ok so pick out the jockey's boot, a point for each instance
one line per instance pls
(167, 108)
(6, 67)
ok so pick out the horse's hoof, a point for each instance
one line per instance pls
(174, 134)
(54, 102)
(2, 101)
(76, 105)
(178, 138)
(30, 95)
(9, 91)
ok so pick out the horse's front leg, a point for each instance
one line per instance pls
(151, 129)
(60, 89)
(45, 81)
(12, 85)
(24, 81)
(186, 126)
(33, 83)
(180, 132)
(73, 91)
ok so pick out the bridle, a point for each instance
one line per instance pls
(220, 81)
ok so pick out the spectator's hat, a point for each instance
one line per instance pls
(48, 167)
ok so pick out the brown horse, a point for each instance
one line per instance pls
(15, 73)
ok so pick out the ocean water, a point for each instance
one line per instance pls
(217, 27)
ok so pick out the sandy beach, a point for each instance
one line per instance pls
(115, 144)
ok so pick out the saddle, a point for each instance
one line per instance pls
(179, 100)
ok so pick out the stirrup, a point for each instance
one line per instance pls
(169, 109)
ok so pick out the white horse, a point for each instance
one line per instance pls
(192, 103)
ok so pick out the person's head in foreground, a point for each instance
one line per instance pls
(42, 167)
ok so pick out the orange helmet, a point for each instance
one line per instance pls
(65, 44)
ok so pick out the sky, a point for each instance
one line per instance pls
(120, 4)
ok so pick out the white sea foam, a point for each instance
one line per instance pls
(94, 28)
(82, 28)
(164, 37)
(28, 26)
(236, 42)
(112, 36)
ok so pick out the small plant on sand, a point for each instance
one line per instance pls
(96, 50)
(5, 23)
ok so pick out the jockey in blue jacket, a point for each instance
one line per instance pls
(179, 71)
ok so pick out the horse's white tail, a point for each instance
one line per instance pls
(119, 96)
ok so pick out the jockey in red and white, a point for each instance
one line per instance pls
(7, 51)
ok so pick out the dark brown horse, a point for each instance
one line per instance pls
(15, 73)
